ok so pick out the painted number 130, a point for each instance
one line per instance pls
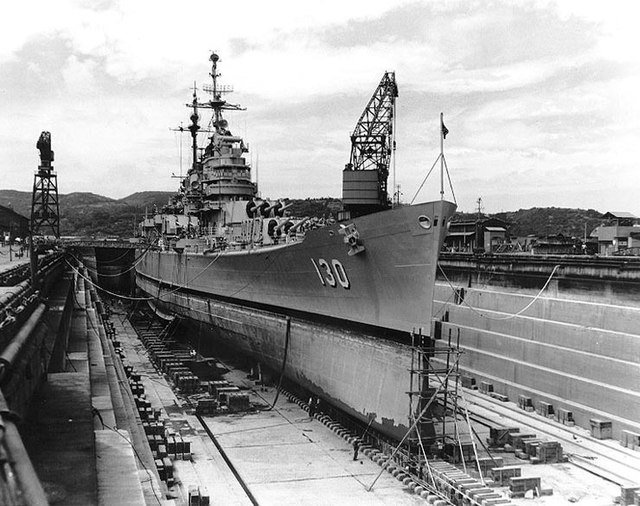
(332, 273)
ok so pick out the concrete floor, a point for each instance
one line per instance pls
(623, 462)
(570, 483)
(283, 456)
(287, 458)
(9, 260)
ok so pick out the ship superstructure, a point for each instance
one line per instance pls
(217, 206)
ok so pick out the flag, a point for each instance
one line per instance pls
(445, 130)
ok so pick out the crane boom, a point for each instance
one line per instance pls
(364, 183)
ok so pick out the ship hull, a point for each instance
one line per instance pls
(242, 297)
(388, 285)
(362, 374)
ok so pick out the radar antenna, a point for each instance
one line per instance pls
(217, 103)
(364, 183)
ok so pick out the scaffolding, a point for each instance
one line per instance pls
(433, 403)
(433, 380)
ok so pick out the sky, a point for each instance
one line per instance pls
(541, 98)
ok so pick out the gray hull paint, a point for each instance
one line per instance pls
(364, 375)
(389, 286)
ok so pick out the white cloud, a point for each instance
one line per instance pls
(524, 86)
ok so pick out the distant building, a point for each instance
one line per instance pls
(619, 232)
(483, 235)
(12, 224)
(556, 244)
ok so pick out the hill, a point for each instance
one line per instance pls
(542, 221)
(83, 213)
(149, 199)
(552, 220)
(322, 207)
(91, 214)
(19, 201)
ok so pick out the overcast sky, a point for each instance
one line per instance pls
(541, 99)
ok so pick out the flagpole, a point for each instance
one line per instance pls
(441, 156)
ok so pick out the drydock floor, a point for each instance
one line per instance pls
(283, 456)
(280, 456)
(595, 469)
(286, 457)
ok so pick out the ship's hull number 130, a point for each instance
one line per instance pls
(331, 273)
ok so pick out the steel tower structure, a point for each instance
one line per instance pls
(45, 209)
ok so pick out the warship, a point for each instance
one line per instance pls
(331, 302)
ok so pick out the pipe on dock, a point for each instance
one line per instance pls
(30, 486)
(13, 293)
(13, 350)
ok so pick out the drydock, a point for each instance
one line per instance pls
(561, 331)
(235, 354)
(145, 410)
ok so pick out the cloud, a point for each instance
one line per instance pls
(536, 94)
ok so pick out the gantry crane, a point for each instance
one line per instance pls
(364, 180)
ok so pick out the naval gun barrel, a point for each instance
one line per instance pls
(298, 225)
(282, 224)
(279, 208)
(229, 138)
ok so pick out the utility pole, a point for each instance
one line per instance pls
(397, 195)
(443, 134)
(479, 202)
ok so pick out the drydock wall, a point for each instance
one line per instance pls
(576, 346)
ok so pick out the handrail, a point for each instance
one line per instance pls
(21, 485)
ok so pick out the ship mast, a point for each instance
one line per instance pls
(193, 128)
(217, 103)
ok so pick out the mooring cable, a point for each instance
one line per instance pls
(284, 362)
(508, 317)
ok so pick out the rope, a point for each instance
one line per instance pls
(151, 480)
(425, 178)
(453, 193)
(117, 295)
(113, 261)
(508, 317)
(158, 297)
(473, 442)
(133, 265)
(410, 430)
(426, 461)
(284, 363)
